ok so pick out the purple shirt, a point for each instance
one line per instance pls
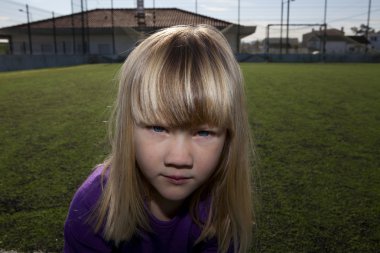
(176, 235)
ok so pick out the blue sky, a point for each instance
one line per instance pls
(340, 13)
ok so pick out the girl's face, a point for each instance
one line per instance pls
(177, 161)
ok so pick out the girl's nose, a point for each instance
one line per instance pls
(179, 154)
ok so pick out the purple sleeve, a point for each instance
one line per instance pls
(79, 234)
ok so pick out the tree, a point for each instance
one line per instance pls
(362, 30)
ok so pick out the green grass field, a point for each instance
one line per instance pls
(316, 129)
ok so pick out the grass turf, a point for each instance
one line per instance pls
(316, 129)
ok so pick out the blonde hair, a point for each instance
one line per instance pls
(184, 76)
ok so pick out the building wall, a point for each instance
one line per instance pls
(355, 48)
(65, 45)
(374, 39)
(231, 38)
(100, 42)
(342, 44)
(126, 41)
(41, 44)
(336, 47)
(20, 44)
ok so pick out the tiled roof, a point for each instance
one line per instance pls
(330, 38)
(331, 32)
(123, 18)
(336, 38)
(359, 39)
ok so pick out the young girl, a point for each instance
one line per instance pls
(178, 178)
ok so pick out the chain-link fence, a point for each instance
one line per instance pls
(30, 30)
(15, 13)
(41, 31)
(25, 20)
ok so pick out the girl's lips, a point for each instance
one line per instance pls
(177, 180)
(177, 177)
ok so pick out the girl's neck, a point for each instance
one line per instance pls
(163, 209)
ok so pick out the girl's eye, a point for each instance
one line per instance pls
(158, 129)
(204, 133)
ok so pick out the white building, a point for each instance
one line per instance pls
(374, 39)
(334, 41)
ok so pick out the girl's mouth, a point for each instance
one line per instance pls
(177, 180)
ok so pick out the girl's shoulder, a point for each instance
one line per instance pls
(88, 194)
(78, 230)
(91, 189)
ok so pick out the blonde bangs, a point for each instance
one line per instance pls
(186, 85)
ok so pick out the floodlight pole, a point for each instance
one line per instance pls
(72, 25)
(282, 21)
(267, 39)
(54, 34)
(368, 18)
(238, 30)
(154, 13)
(196, 13)
(287, 27)
(29, 29)
(324, 32)
(83, 31)
(325, 13)
(113, 29)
